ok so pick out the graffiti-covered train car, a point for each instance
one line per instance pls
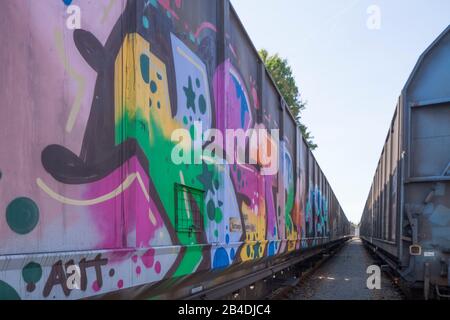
(146, 153)
(407, 214)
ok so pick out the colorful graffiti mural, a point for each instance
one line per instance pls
(88, 116)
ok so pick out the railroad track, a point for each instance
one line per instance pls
(290, 289)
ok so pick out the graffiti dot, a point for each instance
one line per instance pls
(232, 254)
(158, 267)
(7, 292)
(31, 287)
(67, 2)
(248, 251)
(202, 104)
(159, 105)
(211, 210)
(239, 175)
(138, 270)
(216, 185)
(145, 22)
(150, 102)
(0, 174)
(148, 258)
(95, 286)
(216, 233)
(120, 284)
(218, 215)
(185, 120)
(32, 273)
(22, 215)
(221, 260)
(153, 87)
(197, 83)
(227, 239)
(112, 272)
(145, 68)
(134, 258)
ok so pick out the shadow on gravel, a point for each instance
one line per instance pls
(344, 277)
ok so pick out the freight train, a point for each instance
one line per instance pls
(92, 201)
(406, 219)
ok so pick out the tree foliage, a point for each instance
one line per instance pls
(281, 73)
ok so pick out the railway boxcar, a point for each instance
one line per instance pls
(92, 202)
(407, 214)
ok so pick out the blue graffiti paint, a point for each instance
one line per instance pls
(221, 259)
(241, 96)
(153, 87)
(271, 249)
(145, 68)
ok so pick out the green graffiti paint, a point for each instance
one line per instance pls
(289, 207)
(22, 215)
(190, 95)
(7, 292)
(165, 174)
(211, 210)
(202, 104)
(32, 273)
(218, 215)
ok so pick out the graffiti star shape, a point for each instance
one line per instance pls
(206, 178)
(190, 95)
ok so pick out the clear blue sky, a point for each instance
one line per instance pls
(350, 75)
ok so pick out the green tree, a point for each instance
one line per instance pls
(281, 72)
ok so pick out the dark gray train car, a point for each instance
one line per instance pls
(407, 215)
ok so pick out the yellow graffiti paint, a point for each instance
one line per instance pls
(255, 227)
(134, 96)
